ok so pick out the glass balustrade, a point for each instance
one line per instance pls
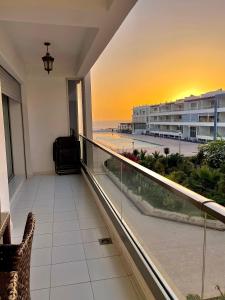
(171, 225)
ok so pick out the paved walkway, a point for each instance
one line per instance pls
(127, 142)
(176, 146)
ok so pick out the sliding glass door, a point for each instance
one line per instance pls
(8, 141)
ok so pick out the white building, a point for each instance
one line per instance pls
(139, 119)
(125, 127)
(197, 118)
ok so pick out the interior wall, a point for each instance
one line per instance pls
(9, 58)
(48, 118)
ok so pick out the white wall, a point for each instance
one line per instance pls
(87, 105)
(4, 190)
(9, 57)
(47, 104)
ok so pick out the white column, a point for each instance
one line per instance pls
(4, 188)
(87, 106)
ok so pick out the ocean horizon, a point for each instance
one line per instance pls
(97, 125)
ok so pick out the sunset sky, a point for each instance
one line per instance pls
(165, 49)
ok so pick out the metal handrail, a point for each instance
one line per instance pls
(207, 205)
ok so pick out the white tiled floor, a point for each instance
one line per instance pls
(67, 260)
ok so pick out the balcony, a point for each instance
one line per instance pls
(174, 237)
(67, 260)
(168, 242)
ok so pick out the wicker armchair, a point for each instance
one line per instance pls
(8, 286)
(17, 258)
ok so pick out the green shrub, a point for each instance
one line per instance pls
(214, 153)
(178, 176)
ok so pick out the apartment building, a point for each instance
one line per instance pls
(125, 127)
(196, 118)
(139, 119)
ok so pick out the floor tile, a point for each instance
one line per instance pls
(85, 214)
(43, 205)
(41, 257)
(21, 211)
(91, 223)
(18, 217)
(116, 288)
(104, 268)
(17, 231)
(67, 253)
(92, 235)
(40, 277)
(42, 241)
(67, 238)
(40, 294)
(59, 267)
(65, 216)
(95, 250)
(42, 210)
(44, 218)
(69, 273)
(64, 206)
(80, 291)
(66, 226)
(16, 239)
(43, 228)
(63, 198)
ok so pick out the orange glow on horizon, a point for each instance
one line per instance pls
(160, 53)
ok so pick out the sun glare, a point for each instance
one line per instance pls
(189, 92)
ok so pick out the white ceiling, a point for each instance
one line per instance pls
(67, 42)
(78, 30)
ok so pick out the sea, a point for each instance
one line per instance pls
(102, 133)
(102, 125)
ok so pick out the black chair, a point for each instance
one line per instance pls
(66, 155)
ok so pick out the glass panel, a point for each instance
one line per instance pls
(186, 245)
(214, 283)
(8, 143)
(99, 163)
(169, 229)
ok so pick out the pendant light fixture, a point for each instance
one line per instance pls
(48, 59)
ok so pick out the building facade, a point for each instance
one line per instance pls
(125, 127)
(139, 119)
(196, 118)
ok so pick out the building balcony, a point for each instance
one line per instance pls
(182, 123)
(205, 137)
(221, 124)
(165, 132)
(187, 111)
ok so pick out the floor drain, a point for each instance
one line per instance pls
(105, 241)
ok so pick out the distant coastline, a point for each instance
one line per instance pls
(106, 125)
